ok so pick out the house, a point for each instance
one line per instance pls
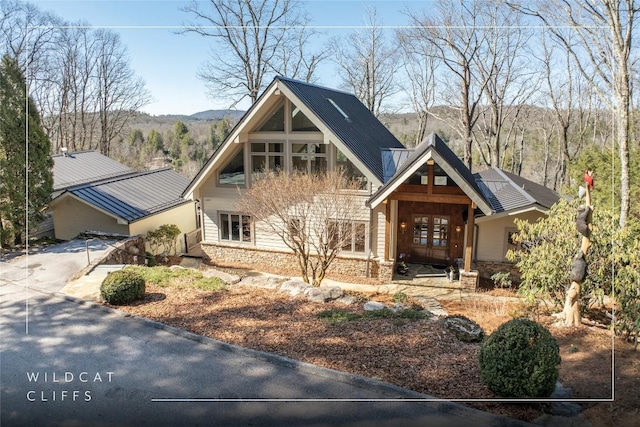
(95, 193)
(422, 205)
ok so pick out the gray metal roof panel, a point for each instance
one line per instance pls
(506, 191)
(84, 166)
(133, 197)
(349, 120)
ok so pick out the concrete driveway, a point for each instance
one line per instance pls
(48, 269)
(68, 362)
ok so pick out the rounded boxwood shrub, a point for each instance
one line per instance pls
(520, 359)
(122, 287)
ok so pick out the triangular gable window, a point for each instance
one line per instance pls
(300, 122)
(275, 123)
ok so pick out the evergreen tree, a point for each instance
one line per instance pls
(26, 179)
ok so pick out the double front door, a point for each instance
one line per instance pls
(430, 239)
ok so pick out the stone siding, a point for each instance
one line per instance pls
(227, 255)
(131, 250)
(489, 268)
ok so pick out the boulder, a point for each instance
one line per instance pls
(323, 293)
(295, 287)
(374, 306)
(464, 329)
(347, 300)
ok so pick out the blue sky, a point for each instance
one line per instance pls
(169, 62)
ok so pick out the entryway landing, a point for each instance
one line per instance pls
(425, 275)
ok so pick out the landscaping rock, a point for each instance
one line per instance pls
(374, 306)
(398, 307)
(295, 287)
(432, 305)
(230, 279)
(464, 329)
(323, 293)
(347, 300)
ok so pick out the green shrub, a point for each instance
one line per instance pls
(520, 359)
(151, 259)
(122, 287)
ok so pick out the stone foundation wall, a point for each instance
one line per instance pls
(131, 250)
(489, 268)
(251, 257)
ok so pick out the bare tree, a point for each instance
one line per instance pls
(119, 92)
(367, 63)
(455, 34)
(598, 36)
(252, 36)
(420, 68)
(312, 214)
(504, 68)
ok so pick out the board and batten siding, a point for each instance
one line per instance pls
(73, 217)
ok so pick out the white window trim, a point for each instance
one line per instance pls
(251, 242)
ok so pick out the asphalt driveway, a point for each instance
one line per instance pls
(72, 363)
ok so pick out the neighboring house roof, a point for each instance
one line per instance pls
(432, 147)
(84, 166)
(133, 197)
(349, 120)
(508, 192)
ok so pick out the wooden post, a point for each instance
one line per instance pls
(468, 250)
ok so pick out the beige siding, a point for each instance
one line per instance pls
(184, 216)
(492, 235)
(72, 217)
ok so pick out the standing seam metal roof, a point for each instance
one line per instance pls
(506, 191)
(360, 131)
(136, 196)
(84, 166)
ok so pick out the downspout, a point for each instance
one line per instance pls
(367, 272)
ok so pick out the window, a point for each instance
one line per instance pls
(275, 123)
(233, 172)
(350, 170)
(420, 177)
(310, 158)
(441, 178)
(235, 228)
(352, 235)
(266, 156)
(300, 122)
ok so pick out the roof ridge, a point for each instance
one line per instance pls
(80, 152)
(289, 79)
(521, 190)
(122, 177)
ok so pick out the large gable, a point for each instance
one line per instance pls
(339, 115)
(349, 120)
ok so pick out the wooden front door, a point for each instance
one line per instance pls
(430, 239)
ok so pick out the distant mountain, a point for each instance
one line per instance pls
(217, 114)
(208, 115)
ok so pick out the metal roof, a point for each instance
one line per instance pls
(348, 119)
(84, 166)
(506, 191)
(133, 197)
